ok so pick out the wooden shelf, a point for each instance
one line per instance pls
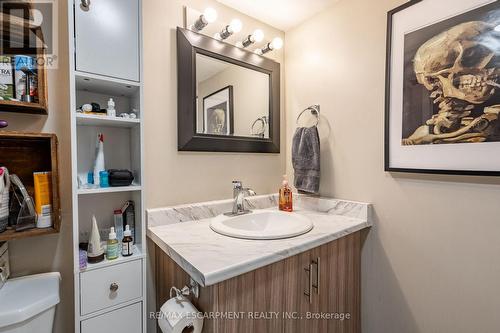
(25, 153)
(99, 190)
(11, 234)
(22, 107)
(94, 120)
(13, 28)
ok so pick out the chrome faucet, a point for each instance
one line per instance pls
(239, 193)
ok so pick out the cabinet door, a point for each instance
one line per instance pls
(340, 284)
(124, 320)
(107, 38)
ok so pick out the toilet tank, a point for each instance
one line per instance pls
(28, 303)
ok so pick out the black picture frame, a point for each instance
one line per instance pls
(230, 111)
(189, 44)
(387, 167)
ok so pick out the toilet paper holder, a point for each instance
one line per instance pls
(192, 288)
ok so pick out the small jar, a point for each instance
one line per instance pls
(104, 178)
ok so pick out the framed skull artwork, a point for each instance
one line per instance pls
(443, 87)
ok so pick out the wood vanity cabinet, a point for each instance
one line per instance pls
(274, 298)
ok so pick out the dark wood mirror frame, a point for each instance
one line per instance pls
(189, 44)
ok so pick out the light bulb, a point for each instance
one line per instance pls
(277, 43)
(235, 26)
(210, 15)
(258, 36)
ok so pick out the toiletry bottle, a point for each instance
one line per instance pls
(104, 178)
(110, 111)
(95, 252)
(128, 211)
(285, 196)
(99, 158)
(112, 249)
(127, 247)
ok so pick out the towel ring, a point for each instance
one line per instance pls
(264, 122)
(315, 110)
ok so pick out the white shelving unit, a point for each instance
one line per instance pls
(91, 120)
(96, 80)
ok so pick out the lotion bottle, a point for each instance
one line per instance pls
(285, 196)
(112, 249)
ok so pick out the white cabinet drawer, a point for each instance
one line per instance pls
(96, 287)
(124, 320)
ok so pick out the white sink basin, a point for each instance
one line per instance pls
(262, 224)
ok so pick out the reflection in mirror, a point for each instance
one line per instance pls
(231, 100)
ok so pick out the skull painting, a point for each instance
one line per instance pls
(459, 68)
(217, 122)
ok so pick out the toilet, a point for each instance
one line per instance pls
(28, 303)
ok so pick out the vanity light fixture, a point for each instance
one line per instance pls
(208, 16)
(256, 37)
(234, 27)
(276, 44)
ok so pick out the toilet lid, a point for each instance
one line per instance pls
(25, 297)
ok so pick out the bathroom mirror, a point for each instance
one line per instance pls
(228, 98)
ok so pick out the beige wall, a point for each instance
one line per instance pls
(173, 177)
(430, 264)
(54, 252)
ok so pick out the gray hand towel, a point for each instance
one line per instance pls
(306, 159)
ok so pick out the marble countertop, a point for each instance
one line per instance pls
(184, 234)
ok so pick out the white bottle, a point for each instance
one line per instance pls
(99, 159)
(111, 112)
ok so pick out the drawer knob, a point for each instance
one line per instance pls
(113, 287)
(85, 5)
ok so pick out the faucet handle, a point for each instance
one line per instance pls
(237, 184)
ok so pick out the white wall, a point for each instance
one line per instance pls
(53, 252)
(430, 264)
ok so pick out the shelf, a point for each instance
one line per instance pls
(105, 263)
(25, 153)
(12, 234)
(94, 120)
(93, 76)
(22, 107)
(105, 85)
(115, 189)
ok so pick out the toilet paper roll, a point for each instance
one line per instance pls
(179, 315)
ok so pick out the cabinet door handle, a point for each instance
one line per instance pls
(113, 287)
(317, 262)
(308, 293)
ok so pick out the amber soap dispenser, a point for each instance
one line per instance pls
(285, 199)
